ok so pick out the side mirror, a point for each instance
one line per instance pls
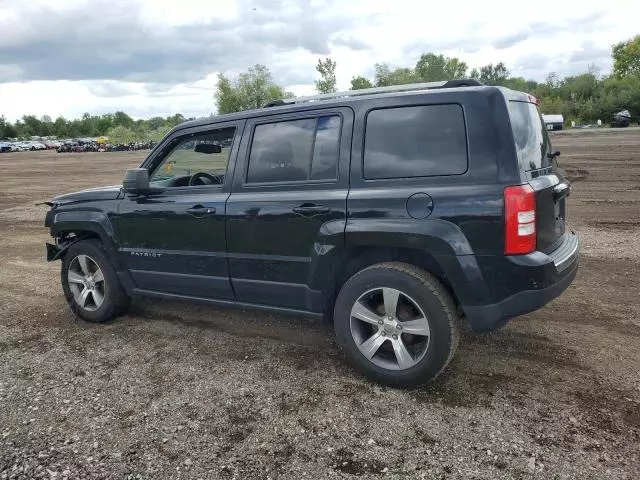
(207, 148)
(136, 180)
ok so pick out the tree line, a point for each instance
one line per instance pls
(119, 126)
(583, 98)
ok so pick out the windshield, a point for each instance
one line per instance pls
(532, 139)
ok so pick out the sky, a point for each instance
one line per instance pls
(160, 57)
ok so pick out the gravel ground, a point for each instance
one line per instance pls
(175, 390)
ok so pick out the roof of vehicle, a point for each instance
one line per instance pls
(358, 96)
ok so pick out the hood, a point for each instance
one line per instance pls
(92, 194)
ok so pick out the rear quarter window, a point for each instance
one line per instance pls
(415, 141)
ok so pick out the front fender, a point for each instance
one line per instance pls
(78, 221)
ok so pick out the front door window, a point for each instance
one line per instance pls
(195, 160)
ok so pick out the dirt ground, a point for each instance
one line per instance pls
(175, 390)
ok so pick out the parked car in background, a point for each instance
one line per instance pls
(52, 144)
(67, 146)
(37, 146)
(31, 146)
(5, 147)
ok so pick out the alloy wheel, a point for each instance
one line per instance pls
(389, 328)
(86, 282)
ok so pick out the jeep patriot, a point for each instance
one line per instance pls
(394, 213)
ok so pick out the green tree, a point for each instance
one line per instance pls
(491, 74)
(104, 123)
(618, 93)
(455, 69)
(579, 87)
(31, 126)
(159, 133)
(400, 76)
(327, 70)
(552, 80)
(521, 84)
(88, 125)
(6, 129)
(155, 123)
(60, 127)
(252, 89)
(626, 58)
(360, 83)
(122, 119)
(176, 119)
(46, 126)
(121, 135)
(432, 68)
(547, 88)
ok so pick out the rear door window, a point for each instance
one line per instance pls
(416, 141)
(531, 137)
(295, 150)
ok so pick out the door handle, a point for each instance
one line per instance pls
(307, 209)
(200, 211)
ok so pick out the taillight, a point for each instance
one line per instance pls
(519, 220)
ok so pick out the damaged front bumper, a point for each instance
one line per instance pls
(54, 252)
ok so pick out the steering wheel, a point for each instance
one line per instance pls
(199, 175)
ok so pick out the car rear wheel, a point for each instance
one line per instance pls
(90, 284)
(397, 324)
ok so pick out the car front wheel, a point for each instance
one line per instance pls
(397, 324)
(91, 285)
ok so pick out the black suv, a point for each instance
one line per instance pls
(392, 212)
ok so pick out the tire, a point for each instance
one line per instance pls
(421, 296)
(107, 299)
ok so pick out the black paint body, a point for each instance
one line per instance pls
(289, 246)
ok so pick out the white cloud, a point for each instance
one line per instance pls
(148, 57)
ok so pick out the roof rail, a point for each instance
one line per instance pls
(412, 87)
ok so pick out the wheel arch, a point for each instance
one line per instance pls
(71, 227)
(358, 258)
(435, 245)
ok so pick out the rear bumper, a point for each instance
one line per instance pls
(535, 280)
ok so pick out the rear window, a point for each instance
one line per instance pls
(418, 141)
(532, 139)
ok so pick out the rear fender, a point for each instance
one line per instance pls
(436, 236)
(443, 240)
